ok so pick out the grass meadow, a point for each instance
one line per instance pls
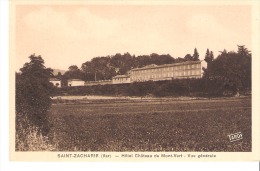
(151, 125)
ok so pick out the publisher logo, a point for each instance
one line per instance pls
(235, 137)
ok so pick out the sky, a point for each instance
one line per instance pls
(66, 35)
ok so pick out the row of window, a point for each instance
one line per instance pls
(191, 66)
(176, 74)
(120, 79)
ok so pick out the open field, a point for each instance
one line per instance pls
(154, 125)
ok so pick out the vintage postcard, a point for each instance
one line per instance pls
(134, 80)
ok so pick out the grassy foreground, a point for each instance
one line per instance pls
(189, 125)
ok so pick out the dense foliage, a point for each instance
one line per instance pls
(184, 87)
(105, 67)
(33, 91)
(230, 71)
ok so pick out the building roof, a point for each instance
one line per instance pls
(54, 79)
(75, 80)
(121, 76)
(152, 66)
(98, 81)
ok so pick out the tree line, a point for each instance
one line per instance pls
(105, 67)
(230, 71)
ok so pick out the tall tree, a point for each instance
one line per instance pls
(242, 50)
(188, 57)
(59, 75)
(33, 91)
(73, 73)
(195, 55)
(209, 56)
(223, 52)
(73, 68)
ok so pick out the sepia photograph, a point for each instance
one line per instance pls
(132, 81)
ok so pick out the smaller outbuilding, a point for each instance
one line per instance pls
(56, 82)
(75, 82)
(121, 79)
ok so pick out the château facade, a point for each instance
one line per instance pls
(189, 69)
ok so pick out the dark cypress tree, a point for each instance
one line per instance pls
(195, 55)
(209, 56)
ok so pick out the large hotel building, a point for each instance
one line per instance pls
(189, 69)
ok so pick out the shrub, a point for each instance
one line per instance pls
(31, 139)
